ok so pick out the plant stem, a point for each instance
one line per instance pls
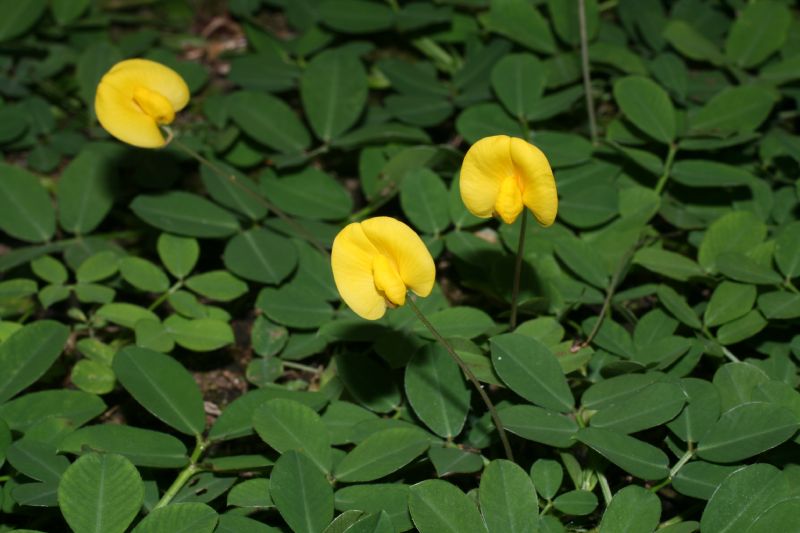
(263, 201)
(610, 290)
(682, 461)
(191, 469)
(178, 284)
(300, 366)
(587, 77)
(518, 269)
(604, 487)
(662, 181)
(485, 397)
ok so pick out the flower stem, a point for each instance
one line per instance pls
(191, 469)
(260, 199)
(587, 77)
(518, 269)
(485, 397)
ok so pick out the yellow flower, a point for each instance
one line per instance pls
(502, 175)
(135, 97)
(375, 262)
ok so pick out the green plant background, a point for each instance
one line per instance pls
(175, 357)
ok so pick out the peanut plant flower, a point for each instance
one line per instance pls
(375, 262)
(502, 175)
(137, 96)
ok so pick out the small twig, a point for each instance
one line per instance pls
(485, 397)
(518, 269)
(587, 77)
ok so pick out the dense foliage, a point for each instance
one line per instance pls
(174, 356)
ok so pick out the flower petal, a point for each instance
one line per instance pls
(117, 110)
(399, 243)
(539, 186)
(351, 261)
(486, 165)
(155, 76)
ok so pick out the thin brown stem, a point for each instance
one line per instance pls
(485, 397)
(303, 232)
(518, 270)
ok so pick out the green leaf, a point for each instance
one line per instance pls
(334, 89)
(225, 185)
(419, 109)
(634, 456)
(760, 30)
(740, 267)
(666, 263)
(19, 17)
(531, 370)
(436, 390)
(67, 11)
(733, 110)
(521, 22)
(483, 120)
(576, 502)
(729, 301)
(260, 255)
(143, 274)
(217, 285)
(702, 410)
(268, 120)
(311, 194)
(539, 425)
(689, 42)
(49, 269)
(185, 214)
(289, 425)
(467, 322)
(777, 516)
(160, 384)
(381, 454)
(93, 376)
(98, 267)
(233, 523)
(93, 63)
(589, 206)
(449, 461)
(747, 430)
(252, 494)
(355, 16)
(28, 212)
(566, 23)
(200, 334)
(519, 81)
(741, 328)
(742, 497)
(737, 231)
(648, 106)
(179, 518)
(780, 305)
(547, 476)
(736, 382)
(654, 405)
(27, 354)
(633, 510)
(301, 493)
(702, 173)
(787, 250)
(37, 460)
(86, 191)
(100, 493)
(294, 306)
(125, 314)
(179, 254)
(143, 447)
(699, 479)
(436, 506)
(563, 149)
(75, 407)
(391, 498)
(369, 382)
(424, 199)
(507, 498)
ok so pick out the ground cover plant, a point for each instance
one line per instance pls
(176, 356)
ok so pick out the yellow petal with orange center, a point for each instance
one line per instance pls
(508, 205)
